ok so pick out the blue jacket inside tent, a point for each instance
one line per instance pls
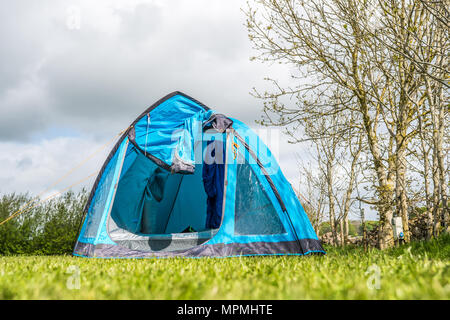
(213, 180)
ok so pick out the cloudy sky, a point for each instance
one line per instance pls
(75, 73)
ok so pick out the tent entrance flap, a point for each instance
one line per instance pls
(153, 208)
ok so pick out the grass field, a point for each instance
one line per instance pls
(416, 271)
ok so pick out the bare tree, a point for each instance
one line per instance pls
(438, 9)
(354, 151)
(313, 199)
(417, 45)
(382, 61)
(325, 41)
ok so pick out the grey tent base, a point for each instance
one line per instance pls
(308, 246)
(163, 242)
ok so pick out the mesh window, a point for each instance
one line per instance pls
(254, 212)
(100, 200)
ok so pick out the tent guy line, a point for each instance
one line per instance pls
(26, 207)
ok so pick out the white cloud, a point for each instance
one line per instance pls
(64, 91)
(35, 167)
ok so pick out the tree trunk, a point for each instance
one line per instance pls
(441, 165)
(400, 185)
(331, 202)
(385, 188)
(364, 231)
(426, 169)
(436, 202)
(438, 170)
(346, 229)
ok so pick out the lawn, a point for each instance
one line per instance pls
(417, 271)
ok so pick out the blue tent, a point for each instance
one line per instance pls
(186, 181)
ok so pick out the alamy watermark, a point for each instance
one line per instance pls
(374, 280)
(73, 18)
(211, 146)
(74, 280)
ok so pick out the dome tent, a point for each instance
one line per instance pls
(186, 181)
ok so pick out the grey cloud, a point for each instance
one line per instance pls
(20, 51)
(89, 77)
(24, 163)
(140, 23)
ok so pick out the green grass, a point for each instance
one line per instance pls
(416, 271)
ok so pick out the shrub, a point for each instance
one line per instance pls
(47, 229)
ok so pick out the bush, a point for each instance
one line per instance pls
(370, 225)
(325, 227)
(48, 229)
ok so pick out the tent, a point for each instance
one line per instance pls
(186, 181)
